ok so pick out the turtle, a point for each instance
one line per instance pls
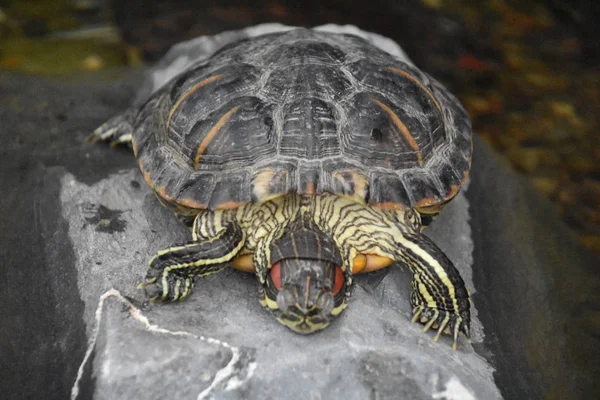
(304, 157)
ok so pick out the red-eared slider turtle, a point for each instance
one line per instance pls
(305, 157)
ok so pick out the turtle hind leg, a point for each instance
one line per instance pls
(172, 271)
(116, 131)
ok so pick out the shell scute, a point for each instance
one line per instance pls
(388, 189)
(233, 136)
(272, 181)
(352, 183)
(304, 51)
(310, 80)
(196, 192)
(421, 187)
(310, 130)
(208, 90)
(381, 134)
(230, 191)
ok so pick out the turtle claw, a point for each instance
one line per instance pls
(442, 328)
(445, 322)
(143, 285)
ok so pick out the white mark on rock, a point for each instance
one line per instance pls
(235, 382)
(228, 373)
(454, 391)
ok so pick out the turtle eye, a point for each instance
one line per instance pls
(338, 280)
(275, 273)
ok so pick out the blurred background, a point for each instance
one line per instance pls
(527, 71)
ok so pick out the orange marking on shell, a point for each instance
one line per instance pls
(432, 209)
(146, 174)
(388, 205)
(244, 263)
(403, 129)
(415, 80)
(431, 206)
(228, 205)
(427, 202)
(191, 203)
(211, 134)
(189, 92)
(453, 191)
(162, 192)
(183, 207)
(369, 263)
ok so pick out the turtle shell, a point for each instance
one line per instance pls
(303, 112)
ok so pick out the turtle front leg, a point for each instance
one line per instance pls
(171, 273)
(439, 297)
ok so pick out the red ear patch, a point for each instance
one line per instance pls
(339, 280)
(276, 275)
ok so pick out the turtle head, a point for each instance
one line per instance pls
(305, 286)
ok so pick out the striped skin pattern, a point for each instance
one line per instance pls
(439, 297)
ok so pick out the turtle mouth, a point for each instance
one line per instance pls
(305, 321)
(298, 318)
(303, 324)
